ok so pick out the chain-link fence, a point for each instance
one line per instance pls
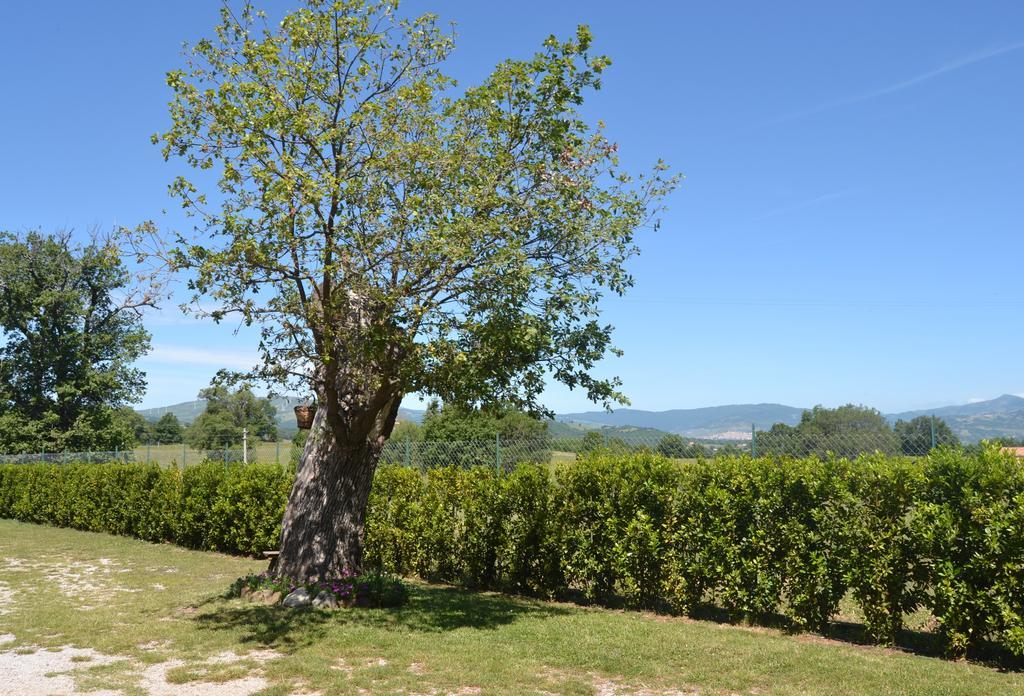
(504, 453)
(501, 453)
(174, 455)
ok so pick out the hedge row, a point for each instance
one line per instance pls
(755, 537)
(235, 509)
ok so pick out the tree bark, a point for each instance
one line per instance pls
(322, 530)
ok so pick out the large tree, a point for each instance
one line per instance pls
(392, 233)
(71, 321)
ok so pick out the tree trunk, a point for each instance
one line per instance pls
(322, 530)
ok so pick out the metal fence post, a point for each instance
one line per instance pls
(225, 455)
(277, 451)
(117, 455)
(497, 453)
(183, 463)
(147, 452)
(408, 452)
(753, 440)
(933, 431)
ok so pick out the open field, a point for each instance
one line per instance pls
(174, 455)
(102, 612)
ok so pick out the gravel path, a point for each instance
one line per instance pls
(51, 673)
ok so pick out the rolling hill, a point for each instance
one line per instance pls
(979, 420)
(731, 422)
(972, 422)
(187, 411)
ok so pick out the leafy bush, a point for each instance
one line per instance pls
(610, 513)
(970, 525)
(756, 537)
(236, 509)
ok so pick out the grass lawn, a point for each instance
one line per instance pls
(174, 455)
(104, 612)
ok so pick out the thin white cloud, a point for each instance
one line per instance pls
(185, 355)
(171, 315)
(943, 69)
(804, 204)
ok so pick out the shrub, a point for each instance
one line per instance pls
(756, 537)
(235, 510)
(610, 516)
(885, 569)
(971, 530)
(392, 541)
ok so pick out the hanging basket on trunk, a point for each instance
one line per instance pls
(304, 416)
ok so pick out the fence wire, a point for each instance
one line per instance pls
(507, 453)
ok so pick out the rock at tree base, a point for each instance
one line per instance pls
(298, 599)
(267, 597)
(325, 600)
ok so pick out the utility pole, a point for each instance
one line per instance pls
(245, 445)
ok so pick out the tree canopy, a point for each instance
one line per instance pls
(916, 435)
(845, 431)
(168, 429)
(676, 447)
(455, 423)
(228, 413)
(369, 214)
(72, 330)
(392, 232)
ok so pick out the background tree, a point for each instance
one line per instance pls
(457, 434)
(599, 440)
(392, 235)
(142, 429)
(676, 447)
(71, 322)
(846, 431)
(455, 423)
(915, 436)
(227, 414)
(407, 431)
(168, 429)
(591, 442)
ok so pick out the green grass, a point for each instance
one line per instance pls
(153, 603)
(174, 455)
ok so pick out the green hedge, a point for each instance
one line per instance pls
(755, 537)
(235, 509)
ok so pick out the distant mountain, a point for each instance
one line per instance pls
(1007, 403)
(630, 434)
(980, 420)
(731, 422)
(973, 422)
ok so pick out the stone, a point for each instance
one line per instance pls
(298, 599)
(325, 600)
(266, 597)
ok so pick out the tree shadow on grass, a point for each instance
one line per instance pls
(928, 644)
(917, 642)
(431, 609)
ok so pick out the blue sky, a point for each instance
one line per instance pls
(849, 230)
